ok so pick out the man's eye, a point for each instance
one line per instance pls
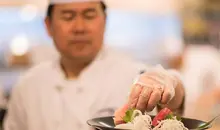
(90, 14)
(67, 18)
(68, 15)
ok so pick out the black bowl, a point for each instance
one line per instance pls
(107, 123)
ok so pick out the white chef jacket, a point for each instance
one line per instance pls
(44, 100)
(37, 53)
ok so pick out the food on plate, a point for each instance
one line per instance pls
(135, 120)
(160, 116)
(120, 114)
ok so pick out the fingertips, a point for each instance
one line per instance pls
(134, 95)
(154, 100)
(144, 98)
(166, 96)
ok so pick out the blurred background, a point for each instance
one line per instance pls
(137, 27)
(180, 34)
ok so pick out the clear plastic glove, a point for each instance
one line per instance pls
(155, 86)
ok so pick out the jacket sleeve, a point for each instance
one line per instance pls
(16, 118)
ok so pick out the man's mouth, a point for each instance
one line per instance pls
(80, 41)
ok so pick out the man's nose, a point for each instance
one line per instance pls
(80, 27)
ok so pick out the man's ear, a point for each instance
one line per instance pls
(47, 23)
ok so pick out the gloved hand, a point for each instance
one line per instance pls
(155, 86)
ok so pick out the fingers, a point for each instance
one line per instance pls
(150, 89)
(145, 94)
(154, 100)
(167, 95)
(134, 96)
(144, 98)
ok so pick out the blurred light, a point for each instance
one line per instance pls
(19, 45)
(28, 12)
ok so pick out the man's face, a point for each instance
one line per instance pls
(77, 29)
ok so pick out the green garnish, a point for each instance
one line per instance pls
(179, 118)
(169, 116)
(172, 117)
(128, 115)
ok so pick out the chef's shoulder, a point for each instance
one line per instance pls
(36, 73)
(29, 81)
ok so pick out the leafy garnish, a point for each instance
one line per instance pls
(128, 115)
(173, 117)
(179, 118)
(169, 116)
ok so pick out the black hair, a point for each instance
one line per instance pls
(51, 6)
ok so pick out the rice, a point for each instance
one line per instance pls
(144, 122)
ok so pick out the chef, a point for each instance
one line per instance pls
(88, 79)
